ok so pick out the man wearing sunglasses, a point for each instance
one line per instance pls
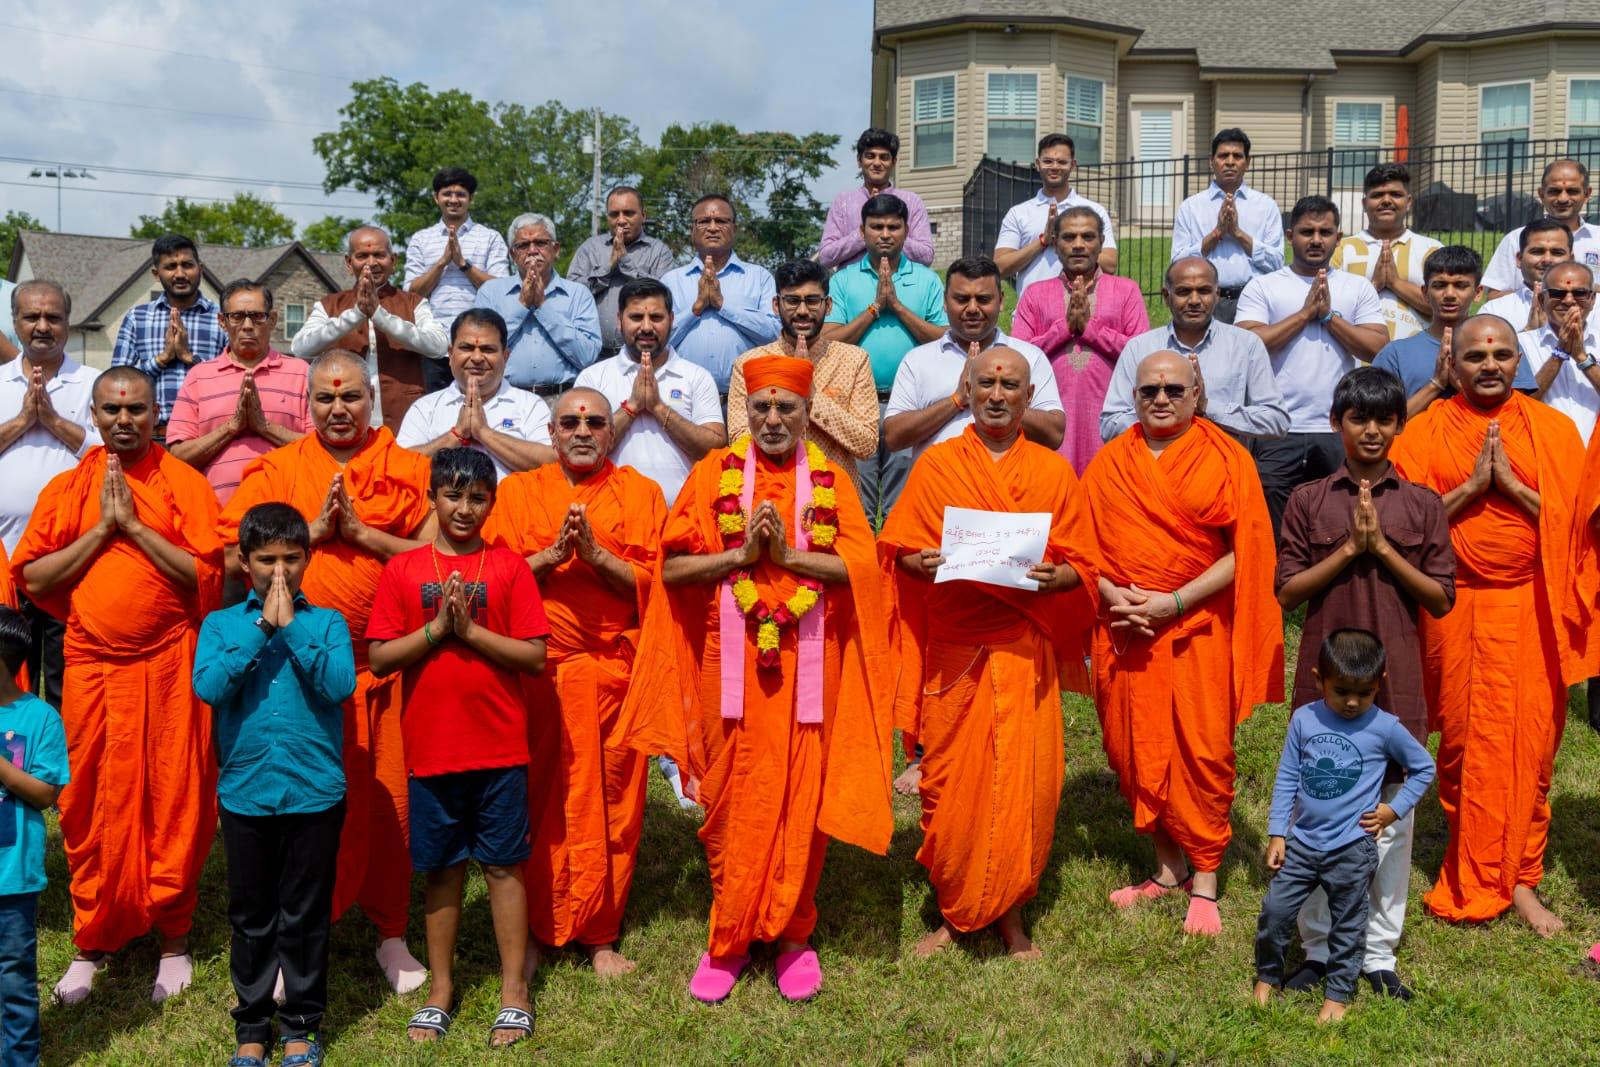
(1562, 353)
(725, 304)
(844, 403)
(591, 531)
(246, 402)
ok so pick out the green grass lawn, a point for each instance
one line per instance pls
(1112, 988)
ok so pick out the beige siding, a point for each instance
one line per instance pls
(1464, 71)
(1425, 112)
(1393, 84)
(1163, 79)
(1088, 57)
(1269, 111)
(948, 54)
(1456, 121)
(1574, 58)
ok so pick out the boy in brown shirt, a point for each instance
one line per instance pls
(1367, 549)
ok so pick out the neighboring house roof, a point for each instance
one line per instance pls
(1259, 35)
(96, 270)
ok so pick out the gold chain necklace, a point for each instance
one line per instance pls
(483, 554)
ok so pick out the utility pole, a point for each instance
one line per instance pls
(596, 207)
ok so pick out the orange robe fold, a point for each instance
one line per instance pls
(980, 673)
(389, 488)
(586, 788)
(141, 811)
(1169, 705)
(774, 790)
(8, 597)
(1496, 668)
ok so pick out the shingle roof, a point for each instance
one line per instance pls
(1260, 34)
(96, 269)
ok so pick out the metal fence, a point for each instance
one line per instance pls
(1467, 194)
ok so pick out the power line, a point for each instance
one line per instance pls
(144, 173)
(175, 52)
(189, 196)
(168, 110)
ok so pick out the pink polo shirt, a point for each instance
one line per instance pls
(209, 395)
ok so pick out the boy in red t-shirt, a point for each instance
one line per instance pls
(463, 620)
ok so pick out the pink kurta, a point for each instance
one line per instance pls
(1082, 362)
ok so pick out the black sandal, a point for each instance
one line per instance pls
(428, 1017)
(511, 1019)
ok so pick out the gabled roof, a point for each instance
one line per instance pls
(1258, 35)
(96, 270)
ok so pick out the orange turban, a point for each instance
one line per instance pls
(778, 372)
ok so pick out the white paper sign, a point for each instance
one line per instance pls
(997, 547)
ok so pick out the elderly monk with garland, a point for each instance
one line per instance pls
(770, 653)
(1496, 669)
(1189, 637)
(366, 499)
(591, 531)
(124, 548)
(982, 666)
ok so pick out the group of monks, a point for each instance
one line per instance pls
(767, 639)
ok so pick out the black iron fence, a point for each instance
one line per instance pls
(1467, 194)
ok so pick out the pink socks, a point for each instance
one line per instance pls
(1149, 889)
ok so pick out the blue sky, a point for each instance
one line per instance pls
(234, 90)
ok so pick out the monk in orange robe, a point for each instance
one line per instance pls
(982, 666)
(124, 548)
(1496, 669)
(1190, 638)
(592, 533)
(366, 500)
(785, 740)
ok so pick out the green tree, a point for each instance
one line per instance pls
(14, 223)
(766, 174)
(327, 233)
(392, 139)
(246, 221)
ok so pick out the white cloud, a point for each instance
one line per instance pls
(795, 68)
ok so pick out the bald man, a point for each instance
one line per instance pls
(1189, 638)
(1496, 668)
(394, 330)
(591, 531)
(983, 666)
(123, 547)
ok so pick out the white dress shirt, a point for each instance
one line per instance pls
(1241, 392)
(687, 388)
(1514, 307)
(39, 455)
(511, 411)
(1571, 392)
(1025, 223)
(1259, 219)
(1310, 364)
(423, 336)
(931, 373)
(1503, 272)
(454, 292)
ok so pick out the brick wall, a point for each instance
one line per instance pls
(293, 283)
(946, 222)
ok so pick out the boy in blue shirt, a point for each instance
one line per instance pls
(276, 672)
(1326, 813)
(33, 769)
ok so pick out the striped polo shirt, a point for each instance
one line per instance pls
(209, 395)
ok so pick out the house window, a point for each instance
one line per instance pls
(1505, 113)
(1583, 120)
(933, 121)
(294, 317)
(1013, 114)
(1086, 117)
(1357, 136)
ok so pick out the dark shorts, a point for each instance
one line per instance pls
(477, 814)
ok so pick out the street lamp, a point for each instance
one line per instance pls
(58, 172)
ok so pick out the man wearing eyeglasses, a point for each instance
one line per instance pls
(727, 303)
(844, 401)
(1563, 352)
(552, 324)
(246, 402)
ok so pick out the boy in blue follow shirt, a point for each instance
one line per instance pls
(33, 769)
(1326, 813)
(276, 671)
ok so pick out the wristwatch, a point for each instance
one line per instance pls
(1585, 363)
(264, 626)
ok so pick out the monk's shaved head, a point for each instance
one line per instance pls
(1007, 362)
(1165, 395)
(1483, 360)
(338, 367)
(340, 399)
(998, 386)
(124, 383)
(581, 432)
(1168, 363)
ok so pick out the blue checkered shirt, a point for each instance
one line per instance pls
(144, 335)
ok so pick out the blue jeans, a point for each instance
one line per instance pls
(19, 980)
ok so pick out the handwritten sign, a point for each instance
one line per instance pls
(997, 547)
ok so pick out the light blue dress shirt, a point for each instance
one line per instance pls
(551, 345)
(720, 336)
(1259, 218)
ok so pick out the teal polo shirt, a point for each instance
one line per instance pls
(887, 340)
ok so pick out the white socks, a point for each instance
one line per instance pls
(79, 979)
(400, 967)
(173, 975)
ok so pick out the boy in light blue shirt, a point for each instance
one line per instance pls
(1326, 813)
(33, 770)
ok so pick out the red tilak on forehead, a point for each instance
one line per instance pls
(337, 382)
(122, 392)
(772, 392)
(582, 408)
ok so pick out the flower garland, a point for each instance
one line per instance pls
(731, 523)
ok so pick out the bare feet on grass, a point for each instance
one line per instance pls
(1262, 994)
(1534, 913)
(943, 937)
(1018, 945)
(1332, 1011)
(910, 780)
(607, 961)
